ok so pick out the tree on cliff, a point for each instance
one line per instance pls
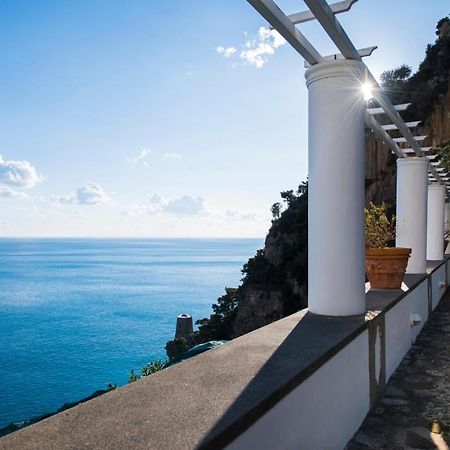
(429, 84)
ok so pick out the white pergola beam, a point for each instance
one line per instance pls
(393, 114)
(410, 150)
(363, 52)
(416, 138)
(372, 123)
(375, 111)
(273, 14)
(323, 13)
(394, 127)
(336, 8)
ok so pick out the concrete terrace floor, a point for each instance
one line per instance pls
(417, 393)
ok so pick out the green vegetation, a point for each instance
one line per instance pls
(379, 229)
(443, 151)
(148, 369)
(429, 84)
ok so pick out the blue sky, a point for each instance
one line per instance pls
(153, 118)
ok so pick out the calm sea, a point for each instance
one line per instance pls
(76, 314)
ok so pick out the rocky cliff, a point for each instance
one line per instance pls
(277, 284)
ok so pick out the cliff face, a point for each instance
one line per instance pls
(438, 126)
(259, 303)
(380, 173)
(275, 284)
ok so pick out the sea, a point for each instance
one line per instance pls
(77, 314)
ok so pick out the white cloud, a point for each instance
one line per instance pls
(184, 205)
(190, 207)
(141, 157)
(18, 174)
(241, 216)
(91, 194)
(258, 50)
(171, 156)
(226, 52)
(7, 192)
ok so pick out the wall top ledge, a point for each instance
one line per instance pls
(207, 401)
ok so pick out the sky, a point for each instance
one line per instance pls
(166, 118)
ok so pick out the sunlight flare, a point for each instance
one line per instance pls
(366, 89)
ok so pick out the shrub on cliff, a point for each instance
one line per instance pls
(148, 369)
(429, 84)
(443, 151)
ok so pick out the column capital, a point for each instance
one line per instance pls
(334, 69)
(436, 186)
(414, 160)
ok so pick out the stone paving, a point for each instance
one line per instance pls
(417, 393)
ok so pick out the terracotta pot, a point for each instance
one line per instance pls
(385, 267)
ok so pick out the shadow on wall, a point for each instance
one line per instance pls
(310, 344)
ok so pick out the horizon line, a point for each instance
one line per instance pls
(130, 237)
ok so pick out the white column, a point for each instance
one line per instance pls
(336, 189)
(412, 188)
(446, 216)
(447, 224)
(435, 226)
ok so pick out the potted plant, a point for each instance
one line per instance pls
(385, 266)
